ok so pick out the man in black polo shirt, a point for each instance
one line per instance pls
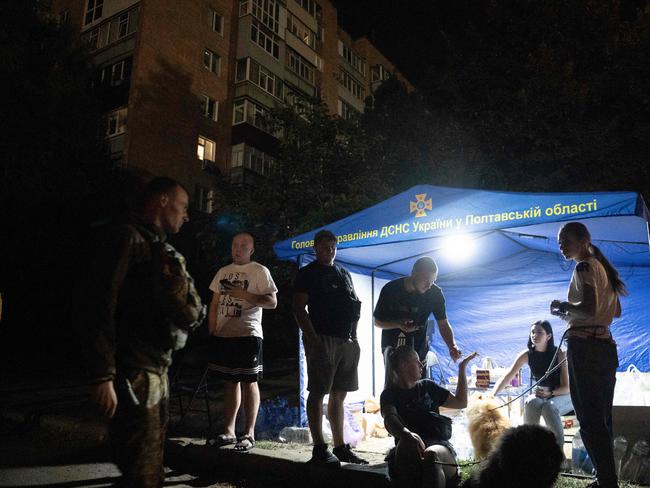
(404, 307)
(329, 328)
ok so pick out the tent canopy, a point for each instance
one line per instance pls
(498, 258)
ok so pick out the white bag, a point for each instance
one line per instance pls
(632, 388)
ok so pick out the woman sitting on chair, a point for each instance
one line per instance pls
(551, 398)
(422, 454)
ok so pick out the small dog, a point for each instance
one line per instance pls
(485, 424)
(525, 456)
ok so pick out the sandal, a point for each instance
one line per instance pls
(244, 444)
(222, 440)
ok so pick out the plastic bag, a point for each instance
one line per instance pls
(632, 388)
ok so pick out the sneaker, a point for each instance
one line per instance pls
(345, 454)
(322, 456)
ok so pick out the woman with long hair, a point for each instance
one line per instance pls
(551, 397)
(592, 304)
(422, 455)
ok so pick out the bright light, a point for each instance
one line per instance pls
(458, 247)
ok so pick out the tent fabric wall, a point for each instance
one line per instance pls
(496, 292)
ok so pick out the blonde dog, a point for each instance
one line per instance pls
(485, 423)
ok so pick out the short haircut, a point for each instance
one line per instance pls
(324, 236)
(425, 264)
(244, 233)
(161, 185)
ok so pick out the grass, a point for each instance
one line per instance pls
(562, 481)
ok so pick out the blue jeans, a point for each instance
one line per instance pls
(592, 375)
(551, 409)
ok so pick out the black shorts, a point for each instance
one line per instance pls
(236, 359)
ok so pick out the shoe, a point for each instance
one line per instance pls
(345, 454)
(221, 440)
(244, 444)
(322, 456)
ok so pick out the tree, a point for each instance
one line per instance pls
(52, 157)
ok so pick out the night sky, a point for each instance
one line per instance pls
(408, 32)
(416, 34)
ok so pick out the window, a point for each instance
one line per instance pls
(118, 73)
(93, 39)
(301, 31)
(204, 199)
(249, 70)
(266, 11)
(250, 112)
(123, 25)
(209, 107)
(205, 150)
(116, 122)
(251, 158)
(264, 40)
(352, 58)
(346, 111)
(312, 8)
(93, 10)
(211, 61)
(216, 21)
(353, 86)
(300, 66)
(378, 72)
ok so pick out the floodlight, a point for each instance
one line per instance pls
(458, 247)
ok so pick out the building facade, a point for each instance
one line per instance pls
(185, 83)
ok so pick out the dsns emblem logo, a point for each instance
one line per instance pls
(420, 205)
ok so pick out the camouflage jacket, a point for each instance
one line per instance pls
(144, 303)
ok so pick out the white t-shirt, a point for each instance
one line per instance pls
(591, 272)
(235, 317)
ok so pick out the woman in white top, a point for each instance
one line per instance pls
(593, 302)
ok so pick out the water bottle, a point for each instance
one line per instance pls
(632, 469)
(620, 450)
(579, 457)
(299, 435)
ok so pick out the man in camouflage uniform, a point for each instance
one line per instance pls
(144, 305)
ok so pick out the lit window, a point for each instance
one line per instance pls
(205, 150)
(93, 10)
(210, 108)
(123, 25)
(216, 21)
(116, 122)
(211, 61)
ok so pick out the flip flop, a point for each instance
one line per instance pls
(244, 444)
(222, 440)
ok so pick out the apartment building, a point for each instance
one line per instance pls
(185, 83)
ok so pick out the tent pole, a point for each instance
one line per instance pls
(372, 325)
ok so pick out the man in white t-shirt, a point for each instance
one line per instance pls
(240, 291)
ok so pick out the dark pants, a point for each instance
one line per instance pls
(592, 367)
(138, 431)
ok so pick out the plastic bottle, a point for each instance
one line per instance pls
(579, 457)
(299, 435)
(620, 450)
(632, 469)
